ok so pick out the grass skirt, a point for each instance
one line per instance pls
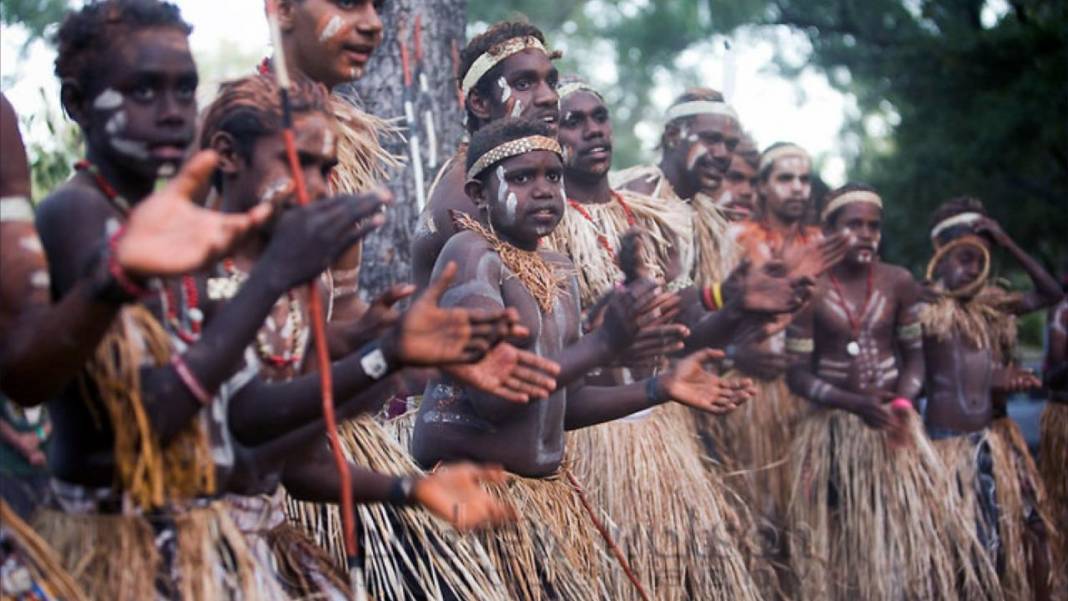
(1018, 497)
(407, 552)
(672, 519)
(871, 522)
(116, 557)
(1053, 452)
(29, 565)
(553, 551)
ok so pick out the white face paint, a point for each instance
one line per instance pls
(167, 170)
(505, 196)
(332, 27)
(275, 190)
(134, 149)
(695, 155)
(40, 279)
(108, 100)
(567, 155)
(506, 90)
(31, 243)
(517, 110)
(116, 124)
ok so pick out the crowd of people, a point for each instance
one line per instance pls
(689, 380)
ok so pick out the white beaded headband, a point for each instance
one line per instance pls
(849, 198)
(571, 87)
(774, 154)
(489, 59)
(961, 219)
(511, 149)
(700, 107)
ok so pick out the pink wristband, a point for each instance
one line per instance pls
(190, 380)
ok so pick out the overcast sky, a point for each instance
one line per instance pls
(807, 111)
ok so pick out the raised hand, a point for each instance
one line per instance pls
(429, 335)
(168, 234)
(306, 240)
(508, 372)
(993, 230)
(808, 261)
(1015, 379)
(653, 343)
(454, 493)
(378, 318)
(626, 311)
(689, 383)
(765, 288)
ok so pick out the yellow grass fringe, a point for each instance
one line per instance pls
(115, 557)
(150, 473)
(1053, 453)
(38, 558)
(362, 162)
(666, 224)
(673, 521)
(898, 530)
(399, 541)
(986, 320)
(553, 551)
(717, 252)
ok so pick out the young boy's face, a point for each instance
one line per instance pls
(142, 110)
(266, 176)
(586, 134)
(862, 223)
(525, 196)
(961, 266)
(334, 39)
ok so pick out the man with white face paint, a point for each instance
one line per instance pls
(857, 346)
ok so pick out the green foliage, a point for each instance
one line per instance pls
(975, 103)
(51, 157)
(35, 15)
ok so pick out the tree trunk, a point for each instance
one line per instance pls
(387, 253)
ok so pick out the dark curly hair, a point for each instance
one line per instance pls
(487, 41)
(956, 206)
(86, 36)
(503, 130)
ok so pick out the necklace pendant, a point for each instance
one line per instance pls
(853, 348)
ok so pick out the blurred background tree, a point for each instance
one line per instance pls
(955, 96)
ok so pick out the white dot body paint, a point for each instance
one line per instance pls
(517, 109)
(40, 279)
(506, 90)
(31, 243)
(567, 116)
(116, 124)
(332, 27)
(108, 100)
(274, 190)
(134, 149)
(167, 170)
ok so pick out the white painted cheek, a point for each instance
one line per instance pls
(134, 149)
(696, 153)
(333, 26)
(567, 155)
(328, 143)
(275, 190)
(116, 124)
(39, 279)
(108, 100)
(32, 244)
(506, 90)
(517, 109)
(510, 205)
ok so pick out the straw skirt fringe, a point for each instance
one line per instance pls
(673, 521)
(871, 522)
(1053, 453)
(1018, 495)
(553, 551)
(116, 557)
(407, 552)
(30, 552)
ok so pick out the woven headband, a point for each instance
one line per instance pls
(961, 219)
(849, 198)
(701, 107)
(774, 154)
(570, 88)
(489, 59)
(511, 149)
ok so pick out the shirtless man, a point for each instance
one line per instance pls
(504, 72)
(692, 509)
(966, 325)
(1054, 431)
(516, 179)
(856, 346)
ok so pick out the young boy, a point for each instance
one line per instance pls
(668, 536)
(966, 328)
(515, 177)
(242, 125)
(859, 529)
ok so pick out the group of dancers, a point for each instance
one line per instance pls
(687, 380)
